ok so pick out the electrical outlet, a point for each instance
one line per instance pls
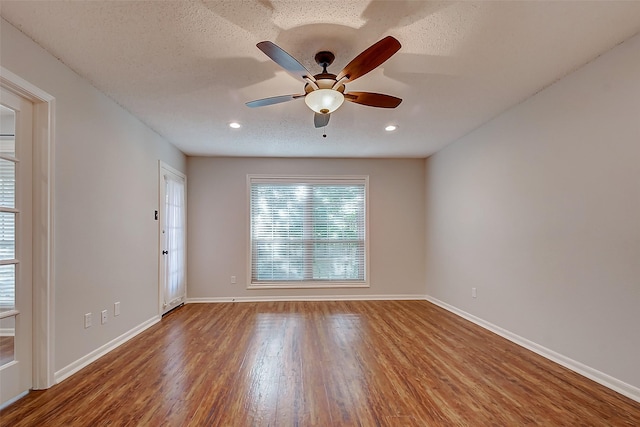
(87, 320)
(116, 308)
(103, 319)
(474, 294)
(233, 280)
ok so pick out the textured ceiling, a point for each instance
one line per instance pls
(186, 68)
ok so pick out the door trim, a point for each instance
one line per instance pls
(43, 231)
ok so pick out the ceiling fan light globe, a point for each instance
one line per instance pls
(324, 101)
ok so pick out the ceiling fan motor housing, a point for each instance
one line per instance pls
(324, 80)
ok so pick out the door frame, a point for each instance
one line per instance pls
(162, 169)
(43, 231)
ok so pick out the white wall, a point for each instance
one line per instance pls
(540, 210)
(106, 191)
(218, 223)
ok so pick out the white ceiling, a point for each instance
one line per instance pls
(186, 68)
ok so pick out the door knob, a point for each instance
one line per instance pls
(165, 252)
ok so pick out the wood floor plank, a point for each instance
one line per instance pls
(341, 363)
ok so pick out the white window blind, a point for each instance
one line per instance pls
(308, 230)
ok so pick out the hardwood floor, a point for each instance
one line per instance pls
(364, 363)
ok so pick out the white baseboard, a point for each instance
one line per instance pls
(608, 381)
(308, 298)
(74, 367)
(12, 400)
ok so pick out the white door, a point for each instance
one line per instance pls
(173, 274)
(15, 245)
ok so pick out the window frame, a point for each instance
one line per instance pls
(308, 179)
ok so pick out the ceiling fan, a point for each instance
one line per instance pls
(325, 92)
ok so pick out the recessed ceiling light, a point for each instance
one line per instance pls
(391, 128)
(234, 125)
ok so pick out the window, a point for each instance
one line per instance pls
(308, 231)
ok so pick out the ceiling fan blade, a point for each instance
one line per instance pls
(321, 120)
(283, 59)
(273, 100)
(373, 99)
(371, 58)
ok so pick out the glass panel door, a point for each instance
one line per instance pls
(173, 238)
(7, 235)
(15, 245)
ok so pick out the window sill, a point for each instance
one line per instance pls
(308, 285)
